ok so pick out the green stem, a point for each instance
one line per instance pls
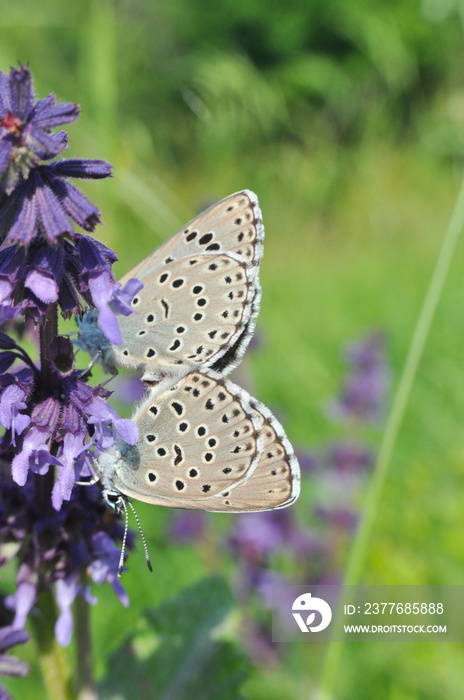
(48, 332)
(84, 677)
(53, 659)
(359, 548)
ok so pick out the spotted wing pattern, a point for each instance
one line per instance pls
(204, 444)
(200, 298)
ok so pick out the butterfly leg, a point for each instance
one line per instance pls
(86, 372)
(93, 480)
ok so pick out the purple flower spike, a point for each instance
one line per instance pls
(55, 422)
(25, 128)
(30, 190)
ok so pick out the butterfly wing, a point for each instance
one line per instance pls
(275, 482)
(205, 444)
(201, 294)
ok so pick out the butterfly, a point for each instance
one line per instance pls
(200, 298)
(204, 442)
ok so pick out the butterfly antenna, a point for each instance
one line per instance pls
(94, 359)
(147, 556)
(110, 379)
(123, 548)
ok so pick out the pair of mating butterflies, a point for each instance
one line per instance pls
(204, 443)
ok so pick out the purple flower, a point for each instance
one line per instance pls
(258, 535)
(187, 526)
(54, 422)
(101, 414)
(339, 517)
(307, 460)
(9, 666)
(97, 277)
(58, 548)
(105, 563)
(32, 194)
(122, 297)
(367, 382)
(129, 389)
(12, 401)
(23, 599)
(25, 127)
(74, 417)
(348, 457)
(34, 455)
(66, 590)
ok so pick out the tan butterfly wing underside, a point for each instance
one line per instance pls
(201, 294)
(205, 444)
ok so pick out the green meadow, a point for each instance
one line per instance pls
(347, 120)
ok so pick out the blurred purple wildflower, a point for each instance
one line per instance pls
(348, 457)
(187, 526)
(338, 517)
(307, 459)
(260, 541)
(9, 666)
(366, 385)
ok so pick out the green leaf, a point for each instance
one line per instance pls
(181, 651)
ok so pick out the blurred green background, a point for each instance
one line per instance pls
(347, 120)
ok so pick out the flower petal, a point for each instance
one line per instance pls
(43, 285)
(52, 115)
(75, 204)
(53, 218)
(122, 297)
(84, 168)
(5, 94)
(22, 96)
